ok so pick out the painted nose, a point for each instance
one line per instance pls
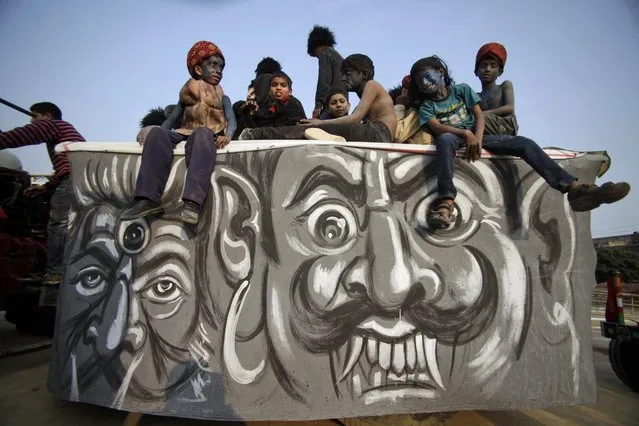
(395, 277)
(114, 321)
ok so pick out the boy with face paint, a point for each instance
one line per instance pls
(453, 113)
(373, 120)
(207, 123)
(496, 100)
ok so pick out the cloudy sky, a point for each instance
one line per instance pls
(573, 63)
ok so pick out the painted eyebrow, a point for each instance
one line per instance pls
(323, 175)
(417, 178)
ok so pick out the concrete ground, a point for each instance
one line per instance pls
(24, 400)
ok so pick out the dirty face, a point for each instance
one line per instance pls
(129, 284)
(389, 327)
(353, 79)
(211, 70)
(488, 70)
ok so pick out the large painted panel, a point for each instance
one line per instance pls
(313, 287)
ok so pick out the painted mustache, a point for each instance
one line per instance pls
(319, 330)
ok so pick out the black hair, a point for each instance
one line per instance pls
(319, 36)
(415, 96)
(335, 92)
(268, 65)
(395, 92)
(47, 108)
(155, 117)
(360, 63)
(282, 74)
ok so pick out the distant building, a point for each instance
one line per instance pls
(628, 240)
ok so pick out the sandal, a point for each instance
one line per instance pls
(442, 216)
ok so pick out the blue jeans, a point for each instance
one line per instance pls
(516, 146)
(57, 227)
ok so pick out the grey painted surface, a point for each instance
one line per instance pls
(313, 289)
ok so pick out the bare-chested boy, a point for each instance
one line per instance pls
(207, 123)
(497, 101)
(373, 120)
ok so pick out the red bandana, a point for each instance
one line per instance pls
(495, 50)
(200, 52)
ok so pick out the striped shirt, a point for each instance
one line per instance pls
(50, 132)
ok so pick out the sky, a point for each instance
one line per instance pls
(573, 64)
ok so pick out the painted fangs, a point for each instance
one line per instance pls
(354, 351)
(413, 359)
(430, 346)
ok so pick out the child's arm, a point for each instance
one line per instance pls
(31, 134)
(508, 99)
(372, 89)
(173, 120)
(323, 83)
(190, 93)
(231, 122)
(294, 112)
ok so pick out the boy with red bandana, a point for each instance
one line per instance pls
(207, 123)
(497, 101)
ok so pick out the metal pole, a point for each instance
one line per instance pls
(16, 107)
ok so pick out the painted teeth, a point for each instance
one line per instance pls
(411, 360)
(399, 359)
(371, 349)
(384, 355)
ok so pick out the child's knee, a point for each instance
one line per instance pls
(447, 140)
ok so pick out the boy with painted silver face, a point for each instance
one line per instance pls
(452, 112)
(206, 122)
(497, 101)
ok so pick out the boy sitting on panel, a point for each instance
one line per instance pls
(207, 124)
(408, 128)
(373, 120)
(280, 108)
(497, 101)
(258, 93)
(337, 105)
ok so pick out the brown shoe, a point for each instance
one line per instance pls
(51, 279)
(587, 197)
(190, 214)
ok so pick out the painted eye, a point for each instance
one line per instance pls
(162, 291)
(133, 236)
(332, 225)
(90, 281)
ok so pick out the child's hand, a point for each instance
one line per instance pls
(402, 99)
(143, 133)
(309, 122)
(473, 146)
(222, 141)
(316, 113)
